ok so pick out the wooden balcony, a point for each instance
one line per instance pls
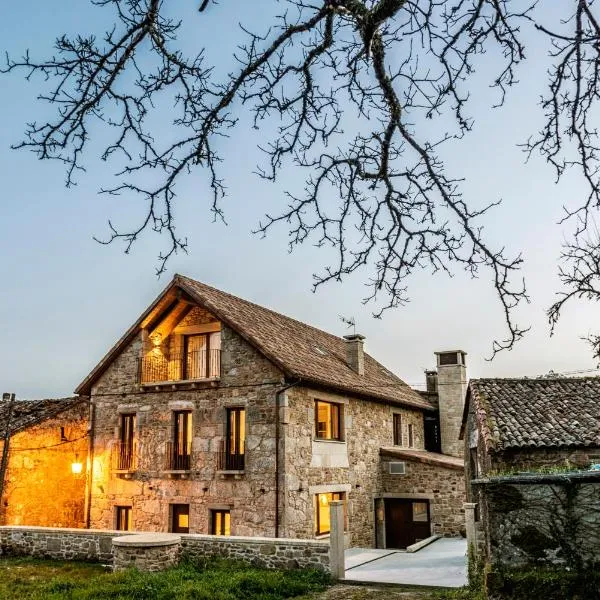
(192, 366)
(232, 462)
(124, 458)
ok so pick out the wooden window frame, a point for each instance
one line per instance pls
(411, 435)
(123, 514)
(397, 428)
(182, 452)
(184, 362)
(339, 407)
(335, 496)
(174, 513)
(213, 521)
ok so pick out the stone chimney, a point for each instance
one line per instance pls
(355, 353)
(452, 389)
(431, 381)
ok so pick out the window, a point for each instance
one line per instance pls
(180, 449)
(420, 512)
(328, 420)
(235, 442)
(201, 355)
(397, 430)
(180, 518)
(322, 520)
(220, 522)
(123, 518)
(411, 435)
(126, 442)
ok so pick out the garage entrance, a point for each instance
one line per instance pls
(406, 521)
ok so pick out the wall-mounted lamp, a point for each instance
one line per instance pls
(76, 466)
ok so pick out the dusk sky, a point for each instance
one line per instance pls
(66, 299)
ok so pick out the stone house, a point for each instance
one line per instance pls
(530, 443)
(215, 415)
(45, 481)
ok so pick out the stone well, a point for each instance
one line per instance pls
(146, 551)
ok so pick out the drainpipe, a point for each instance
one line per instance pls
(90, 471)
(277, 436)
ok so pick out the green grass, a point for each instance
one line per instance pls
(28, 579)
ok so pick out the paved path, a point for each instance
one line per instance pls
(442, 563)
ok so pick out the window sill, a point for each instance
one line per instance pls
(234, 474)
(315, 439)
(178, 473)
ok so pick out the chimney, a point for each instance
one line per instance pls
(355, 354)
(431, 381)
(452, 389)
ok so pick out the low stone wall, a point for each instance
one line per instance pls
(272, 553)
(96, 545)
(93, 545)
(541, 519)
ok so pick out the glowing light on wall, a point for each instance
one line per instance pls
(76, 466)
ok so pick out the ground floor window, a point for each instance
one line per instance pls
(123, 518)
(221, 522)
(322, 520)
(180, 518)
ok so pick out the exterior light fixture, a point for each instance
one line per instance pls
(76, 466)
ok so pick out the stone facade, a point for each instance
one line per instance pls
(40, 487)
(350, 466)
(443, 486)
(542, 520)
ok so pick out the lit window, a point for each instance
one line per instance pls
(328, 420)
(123, 518)
(180, 518)
(221, 522)
(420, 512)
(322, 520)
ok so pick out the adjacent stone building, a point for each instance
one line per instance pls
(45, 478)
(215, 415)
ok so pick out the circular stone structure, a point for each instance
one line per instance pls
(146, 551)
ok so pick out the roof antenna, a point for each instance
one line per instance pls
(350, 322)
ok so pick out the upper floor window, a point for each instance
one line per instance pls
(397, 424)
(322, 514)
(123, 453)
(179, 450)
(328, 420)
(233, 453)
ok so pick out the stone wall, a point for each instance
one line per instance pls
(40, 488)
(350, 466)
(541, 519)
(59, 544)
(271, 553)
(96, 546)
(443, 486)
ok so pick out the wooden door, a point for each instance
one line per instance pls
(406, 522)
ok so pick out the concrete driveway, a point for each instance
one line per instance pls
(443, 563)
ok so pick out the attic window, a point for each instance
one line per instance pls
(320, 351)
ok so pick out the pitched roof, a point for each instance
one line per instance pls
(27, 413)
(424, 456)
(536, 413)
(299, 350)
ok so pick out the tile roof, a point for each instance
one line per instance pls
(301, 351)
(531, 413)
(27, 413)
(425, 457)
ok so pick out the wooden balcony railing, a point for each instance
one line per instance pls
(200, 364)
(178, 456)
(124, 456)
(228, 461)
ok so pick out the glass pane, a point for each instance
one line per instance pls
(242, 432)
(323, 420)
(324, 524)
(227, 524)
(183, 520)
(196, 357)
(420, 512)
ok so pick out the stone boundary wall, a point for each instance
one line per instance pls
(551, 520)
(96, 545)
(273, 553)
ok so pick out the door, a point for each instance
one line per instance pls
(180, 518)
(406, 522)
(182, 440)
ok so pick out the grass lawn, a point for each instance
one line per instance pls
(29, 579)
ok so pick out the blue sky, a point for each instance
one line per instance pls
(65, 299)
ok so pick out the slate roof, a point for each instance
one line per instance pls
(27, 413)
(302, 352)
(425, 457)
(536, 413)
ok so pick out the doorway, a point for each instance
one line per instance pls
(406, 521)
(180, 518)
